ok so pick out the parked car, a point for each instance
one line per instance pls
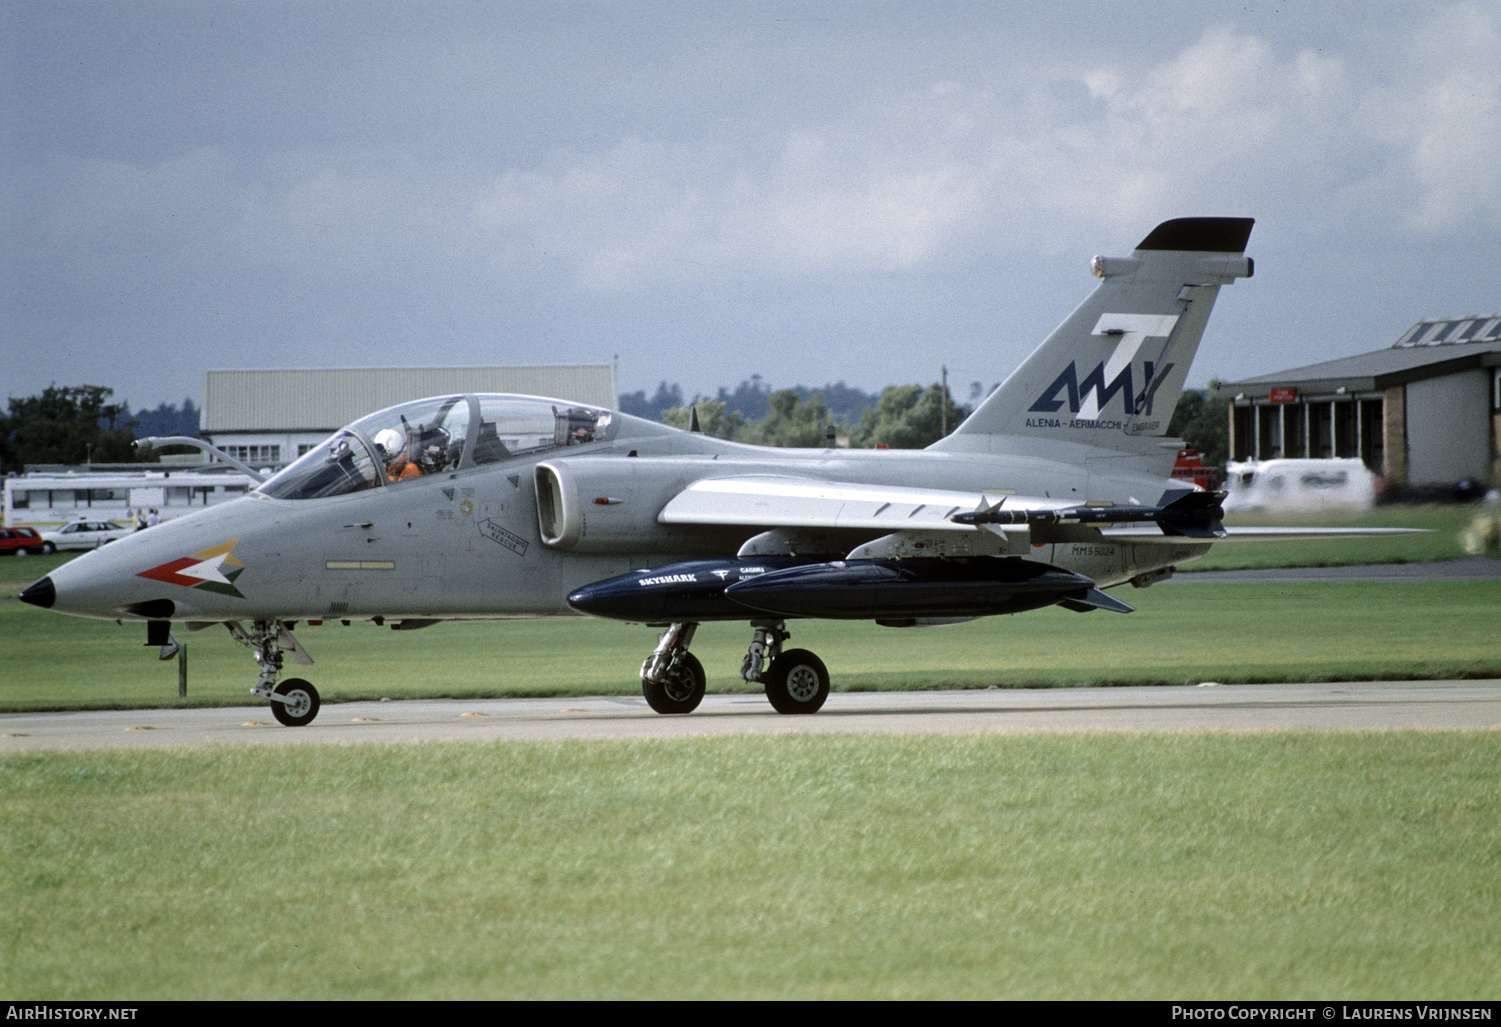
(82, 535)
(22, 541)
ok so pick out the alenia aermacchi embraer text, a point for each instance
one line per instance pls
(474, 507)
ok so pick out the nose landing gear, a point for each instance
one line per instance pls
(295, 703)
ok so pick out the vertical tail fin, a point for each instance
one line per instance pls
(1111, 374)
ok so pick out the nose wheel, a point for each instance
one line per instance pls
(295, 702)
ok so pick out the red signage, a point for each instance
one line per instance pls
(1282, 396)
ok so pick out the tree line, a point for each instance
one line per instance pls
(900, 416)
(79, 424)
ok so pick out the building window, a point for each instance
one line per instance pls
(255, 454)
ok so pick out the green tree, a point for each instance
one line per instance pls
(1201, 420)
(792, 422)
(67, 424)
(906, 417)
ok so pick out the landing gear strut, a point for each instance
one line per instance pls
(672, 679)
(295, 703)
(796, 681)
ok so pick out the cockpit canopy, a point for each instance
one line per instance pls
(431, 436)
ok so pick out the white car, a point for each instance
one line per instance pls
(83, 535)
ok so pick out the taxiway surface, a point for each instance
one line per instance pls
(1312, 707)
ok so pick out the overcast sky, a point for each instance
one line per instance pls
(810, 191)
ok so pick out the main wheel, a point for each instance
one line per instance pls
(681, 692)
(797, 682)
(301, 705)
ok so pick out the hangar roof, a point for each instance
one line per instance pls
(1429, 349)
(325, 399)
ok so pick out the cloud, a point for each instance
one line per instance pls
(1228, 125)
(1452, 126)
(876, 192)
(953, 172)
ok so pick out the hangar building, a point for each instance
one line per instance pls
(269, 418)
(1425, 412)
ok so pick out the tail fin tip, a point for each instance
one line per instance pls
(1201, 235)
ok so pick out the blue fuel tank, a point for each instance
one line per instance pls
(902, 589)
(689, 591)
(896, 590)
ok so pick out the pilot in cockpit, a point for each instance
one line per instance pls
(392, 447)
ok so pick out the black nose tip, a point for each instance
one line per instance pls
(40, 593)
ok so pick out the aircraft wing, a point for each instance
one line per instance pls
(792, 502)
(776, 501)
(1258, 534)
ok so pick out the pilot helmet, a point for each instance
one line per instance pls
(389, 441)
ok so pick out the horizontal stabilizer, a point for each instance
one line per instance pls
(1094, 599)
(1251, 533)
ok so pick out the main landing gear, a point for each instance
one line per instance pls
(295, 702)
(796, 681)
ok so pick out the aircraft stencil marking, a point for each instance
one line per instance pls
(495, 533)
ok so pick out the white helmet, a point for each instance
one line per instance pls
(389, 441)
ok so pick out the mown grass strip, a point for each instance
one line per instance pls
(1314, 866)
(1179, 634)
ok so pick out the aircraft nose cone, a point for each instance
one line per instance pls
(40, 593)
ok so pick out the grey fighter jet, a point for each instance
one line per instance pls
(474, 507)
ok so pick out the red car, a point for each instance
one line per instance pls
(20, 541)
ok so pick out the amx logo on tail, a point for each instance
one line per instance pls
(1088, 396)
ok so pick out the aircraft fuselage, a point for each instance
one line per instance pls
(467, 544)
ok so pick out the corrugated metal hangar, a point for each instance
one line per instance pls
(268, 418)
(1422, 413)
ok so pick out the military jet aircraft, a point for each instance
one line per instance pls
(488, 506)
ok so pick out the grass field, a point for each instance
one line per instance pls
(1180, 633)
(1278, 866)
